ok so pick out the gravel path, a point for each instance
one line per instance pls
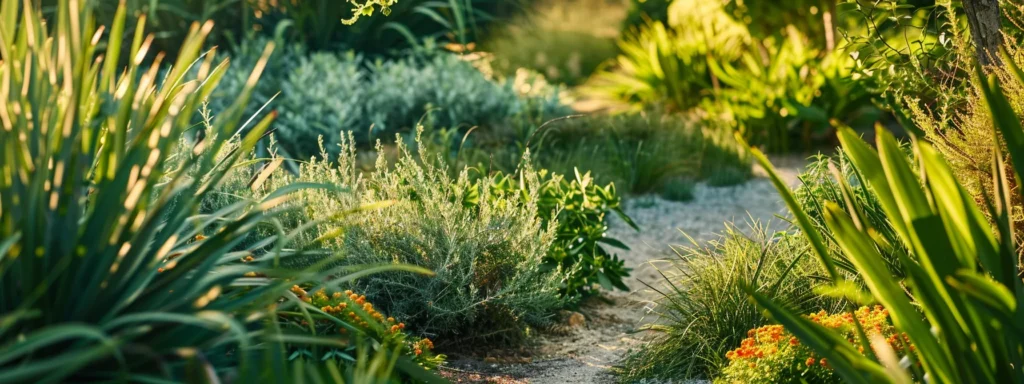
(586, 355)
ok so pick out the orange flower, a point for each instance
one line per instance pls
(810, 361)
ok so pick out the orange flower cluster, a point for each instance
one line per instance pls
(355, 310)
(769, 353)
(759, 343)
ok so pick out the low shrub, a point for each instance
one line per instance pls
(578, 208)
(487, 255)
(770, 354)
(487, 248)
(326, 94)
(704, 309)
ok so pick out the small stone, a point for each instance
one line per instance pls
(576, 320)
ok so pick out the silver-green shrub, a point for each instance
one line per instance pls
(486, 256)
(486, 249)
(324, 94)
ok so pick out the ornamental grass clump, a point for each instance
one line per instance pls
(704, 310)
(108, 269)
(770, 354)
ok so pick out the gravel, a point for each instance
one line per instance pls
(587, 355)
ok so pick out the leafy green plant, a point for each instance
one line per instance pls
(772, 83)
(578, 209)
(795, 92)
(963, 275)
(109, 272)
(666, 64)
(704, 310)
(910, 50)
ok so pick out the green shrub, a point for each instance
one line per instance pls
(108, 271)
(912, 50)
(797, 92)
(704, 309)
(323, 95)
(487, 252)
(327, 94)
(773, 88)
(460, 93)
(487, 256)
(963, 272)
(666, 63)
(578, 209)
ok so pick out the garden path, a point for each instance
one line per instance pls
(587, 354)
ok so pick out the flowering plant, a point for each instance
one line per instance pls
(770, 354)
(352, 316)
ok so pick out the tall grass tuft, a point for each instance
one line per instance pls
(704, 309)
(108, 271)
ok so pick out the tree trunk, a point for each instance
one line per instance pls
(983, 19)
